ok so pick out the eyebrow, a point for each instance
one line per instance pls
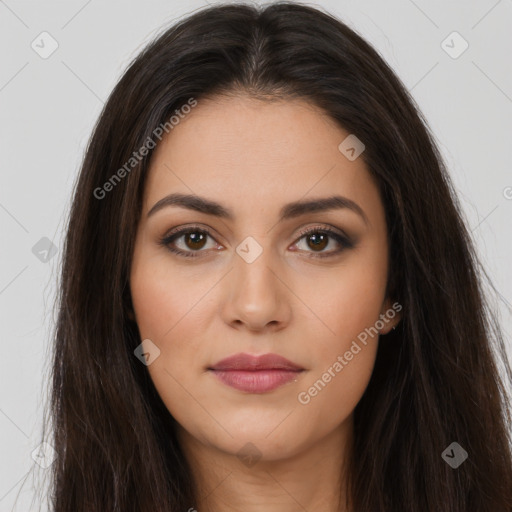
(288, 211)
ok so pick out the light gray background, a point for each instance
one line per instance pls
(48, 107)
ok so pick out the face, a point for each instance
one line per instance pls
(251, 275)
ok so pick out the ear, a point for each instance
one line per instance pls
(130, 313)
(390, 315)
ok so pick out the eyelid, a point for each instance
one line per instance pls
(188, 228)
(345, 241)
(178, 232)
(323, 228)
(301, 233)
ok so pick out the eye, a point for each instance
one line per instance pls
(191, 241)
(318, 239)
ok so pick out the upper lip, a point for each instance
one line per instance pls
(249, 362)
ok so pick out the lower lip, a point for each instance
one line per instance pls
(258, 381)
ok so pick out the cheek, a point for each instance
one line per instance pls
(329, 398)
(168, 300)
(347, 300)
(173, 308)
(172, 311)
(348, 306)
(343, 362)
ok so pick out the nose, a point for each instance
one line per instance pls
(257, 296)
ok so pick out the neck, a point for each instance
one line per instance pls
(307, 479)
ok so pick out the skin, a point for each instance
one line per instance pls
(253, 157)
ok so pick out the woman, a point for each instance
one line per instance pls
(269, 299)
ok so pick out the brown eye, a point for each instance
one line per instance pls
(318, 239)
(194, 240)
(187, 242)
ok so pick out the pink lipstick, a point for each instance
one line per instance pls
(255, 374)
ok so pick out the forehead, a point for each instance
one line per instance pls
(253, 153)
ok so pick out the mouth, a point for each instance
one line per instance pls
(256, 374)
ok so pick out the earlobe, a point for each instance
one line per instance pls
(390, 316)
(130, 313)
(391, 326)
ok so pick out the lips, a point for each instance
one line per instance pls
(256, 374)
(254, 363)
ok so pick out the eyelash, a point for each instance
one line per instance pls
(344, 241)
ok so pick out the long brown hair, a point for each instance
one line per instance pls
(437, 376)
